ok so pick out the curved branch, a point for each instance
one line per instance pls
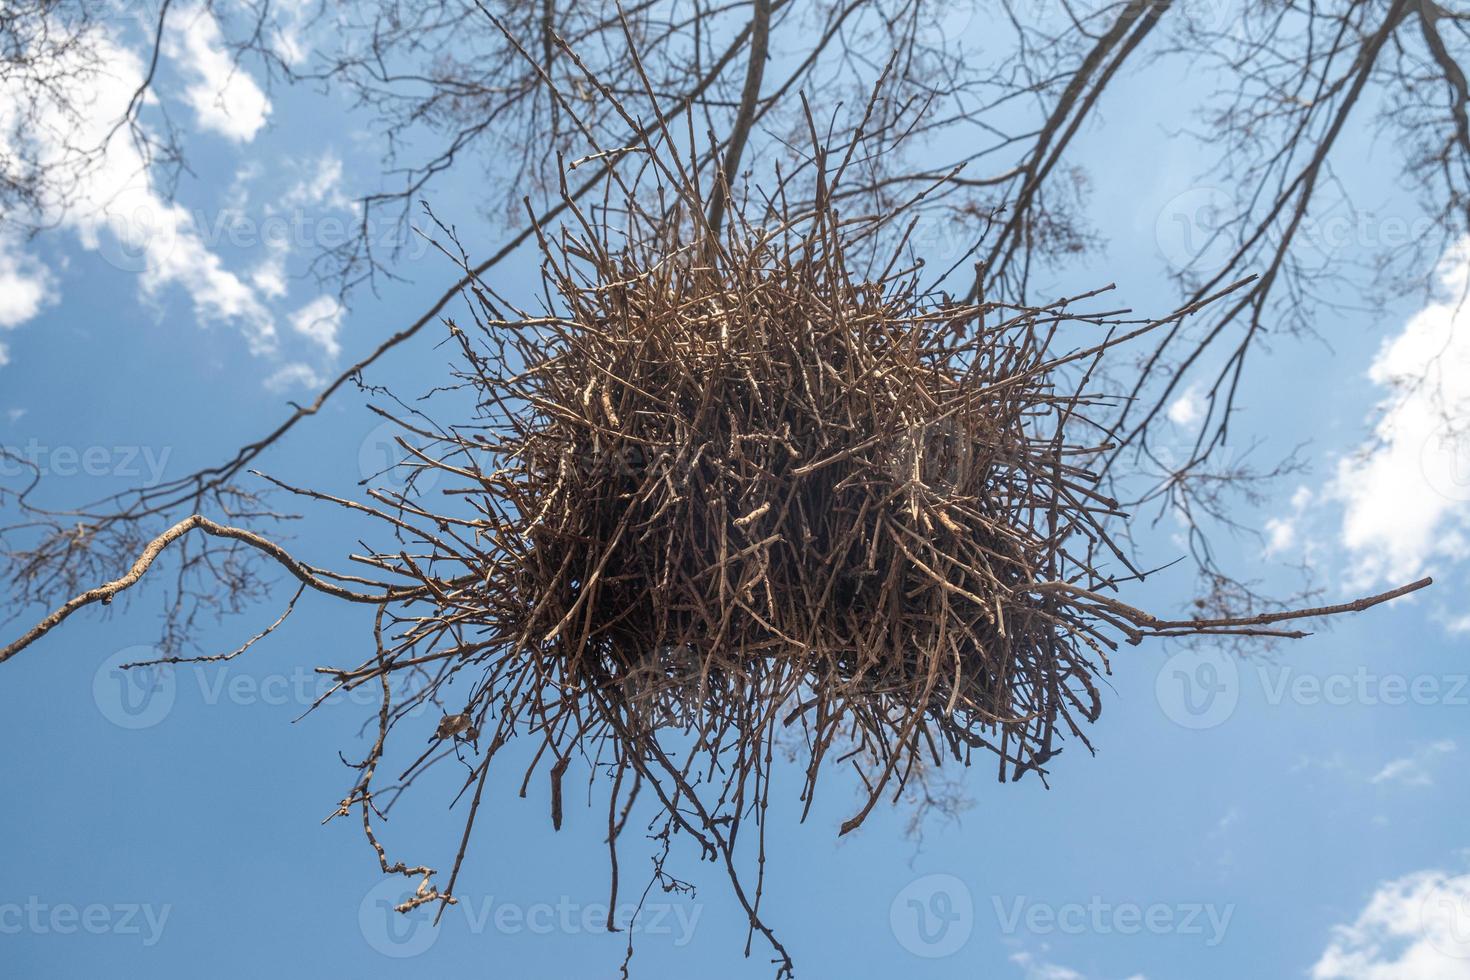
(105, 593)
(1233, 626)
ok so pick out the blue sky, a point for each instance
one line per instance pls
(1297, 814)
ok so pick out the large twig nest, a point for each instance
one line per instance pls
(736, 487)
(731, 488)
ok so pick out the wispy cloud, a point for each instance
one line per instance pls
(1187, 409)
(1283, 533)
(319, 321)
(1406, 495)
(294, 375)
(224, 97)
(1035, 967)
(322, 185)
(1413, 928)
(26, 286)
(113, 206)
(116, 211)
(1414, 769)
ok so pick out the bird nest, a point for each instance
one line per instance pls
(729, 490)
(734, 488)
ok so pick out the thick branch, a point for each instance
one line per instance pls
(105, 593)
(760, 36)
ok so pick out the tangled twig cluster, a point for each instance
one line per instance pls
(738, 486)
(726, 490)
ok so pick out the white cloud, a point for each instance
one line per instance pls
(293, 18)
(1282, 532)
(113, 207)
(25, 285)
(224, 97)
(4, 355)
(270, 275)
(1187, 409)
(294, 375)
(319, 321)
(1413, 928)
(237, 195)
(290, 46)
(178, 256)
(323, 186)
(1406, 495)
(1280, 535)
(1036, 969)
(1415, 769)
